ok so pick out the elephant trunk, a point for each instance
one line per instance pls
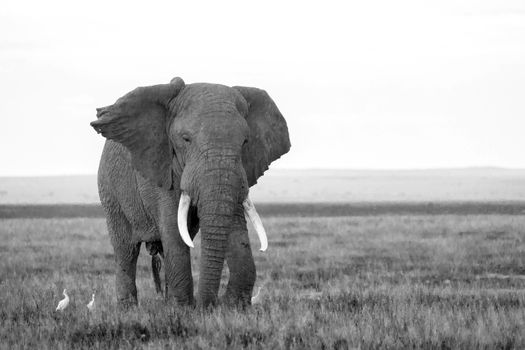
(218, 198)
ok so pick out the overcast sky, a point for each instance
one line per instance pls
(367, 84)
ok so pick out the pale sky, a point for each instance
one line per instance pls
(364, 84)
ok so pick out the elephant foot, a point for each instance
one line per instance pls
(207, 302)
(182, 302)
(237, 300)
(126, 304)
(185, 299)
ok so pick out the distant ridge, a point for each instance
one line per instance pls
(487, 184)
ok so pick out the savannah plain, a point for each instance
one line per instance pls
(366, 260)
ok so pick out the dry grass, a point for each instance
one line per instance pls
(363, 282)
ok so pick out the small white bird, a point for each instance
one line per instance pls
(91, 304)
(63, 303)
(255, 298)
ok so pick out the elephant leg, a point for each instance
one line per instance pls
(155, 249)
(240, 264)
(178, 278)
(176, 254)
(126, 255)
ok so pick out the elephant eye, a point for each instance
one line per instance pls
(245, 142)
(186, 138)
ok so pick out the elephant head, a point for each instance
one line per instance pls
(209, 143)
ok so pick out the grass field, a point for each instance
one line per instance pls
(371, 281)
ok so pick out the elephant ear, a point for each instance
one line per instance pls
(139, 120)
(268, 139)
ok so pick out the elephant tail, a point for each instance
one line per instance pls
(156, 265)
(155, 249)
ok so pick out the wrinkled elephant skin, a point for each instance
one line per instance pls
(202, 145)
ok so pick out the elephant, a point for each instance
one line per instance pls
(179, 159)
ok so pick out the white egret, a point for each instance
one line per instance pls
(63, 303)
(91, 304)
(255, 298)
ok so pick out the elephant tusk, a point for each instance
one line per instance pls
(182, 219)
(251, 213)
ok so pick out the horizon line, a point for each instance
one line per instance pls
(501, 168)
